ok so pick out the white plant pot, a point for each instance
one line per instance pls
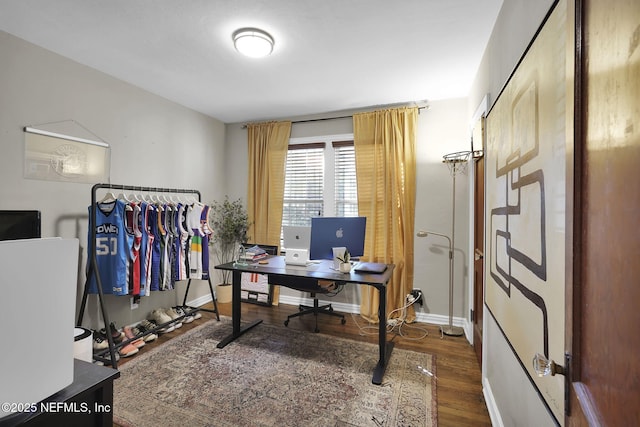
(345, 267)
(224, 293)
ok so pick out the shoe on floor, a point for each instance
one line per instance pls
(128, 350)
(99, 341)
(186, 318)
(116, 335)
(160, 318)
(148, 327)
(128, 332)
(139, 331)
(106, 356)
(174, 316)
(195, 313)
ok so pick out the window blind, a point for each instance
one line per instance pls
(303, 189)
(346, 190)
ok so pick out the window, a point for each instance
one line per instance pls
(320, 179)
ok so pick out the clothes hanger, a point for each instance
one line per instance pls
(124, 197)
(109, 197)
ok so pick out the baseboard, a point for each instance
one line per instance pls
(492, 407)
(200, 301)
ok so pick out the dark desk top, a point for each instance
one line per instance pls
(321, 270)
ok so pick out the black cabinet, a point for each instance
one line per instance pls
(88, 401)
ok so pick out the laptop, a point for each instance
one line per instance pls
(370, 267)
(296, 241)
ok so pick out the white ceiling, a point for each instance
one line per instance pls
(329, 55)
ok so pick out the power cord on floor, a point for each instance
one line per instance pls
(393, 323)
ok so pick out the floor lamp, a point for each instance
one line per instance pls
(457, 162)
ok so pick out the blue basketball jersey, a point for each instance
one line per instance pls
(112, 248)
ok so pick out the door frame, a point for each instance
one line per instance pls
(481, 111)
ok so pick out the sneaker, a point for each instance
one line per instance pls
(195, 313)
(128, 350)
(116, 335)
(160, 318)
(106, 356)
(186, 318)
(174, 316)
(146, 326)
(138, 331)
(128, 332)
(99, 341)
(154, 327)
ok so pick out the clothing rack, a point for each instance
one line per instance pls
(93, 267)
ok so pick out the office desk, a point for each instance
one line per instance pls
(306, 279)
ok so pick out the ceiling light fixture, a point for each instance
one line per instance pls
(253, 42)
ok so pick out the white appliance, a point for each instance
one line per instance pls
(38, 282)
(296, 241)
(296, 257)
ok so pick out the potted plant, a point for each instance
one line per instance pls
(230, 222)
(345, 261)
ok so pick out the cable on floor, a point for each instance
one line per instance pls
(393, 323)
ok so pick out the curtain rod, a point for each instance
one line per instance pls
(244, 126)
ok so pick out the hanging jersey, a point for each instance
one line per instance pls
(186, 234)
(147, 248)
(207, 235)
(132, 216)
(112, 248)
(180, 240)
(156, 251)
(195, 254)
(166, 281)
(143, 247)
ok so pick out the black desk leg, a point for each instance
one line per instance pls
(385, 347)
(236, 312)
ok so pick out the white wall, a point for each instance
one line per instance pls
(511, 398)
(154, 142)
(443, 128)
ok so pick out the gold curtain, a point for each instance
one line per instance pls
(386, 170)
(268, 143)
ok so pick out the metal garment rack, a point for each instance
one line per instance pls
(93, 268)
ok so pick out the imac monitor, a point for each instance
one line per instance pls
(330, 232)
(16, 225)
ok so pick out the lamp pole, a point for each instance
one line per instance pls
(449, 329)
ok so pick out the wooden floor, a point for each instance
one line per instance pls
(459, 390)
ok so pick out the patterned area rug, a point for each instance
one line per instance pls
(272, 376)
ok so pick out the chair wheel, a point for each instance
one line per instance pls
(286, 322)
(343, 321)
(317, 330)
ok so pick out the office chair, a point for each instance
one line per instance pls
(317, 308)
